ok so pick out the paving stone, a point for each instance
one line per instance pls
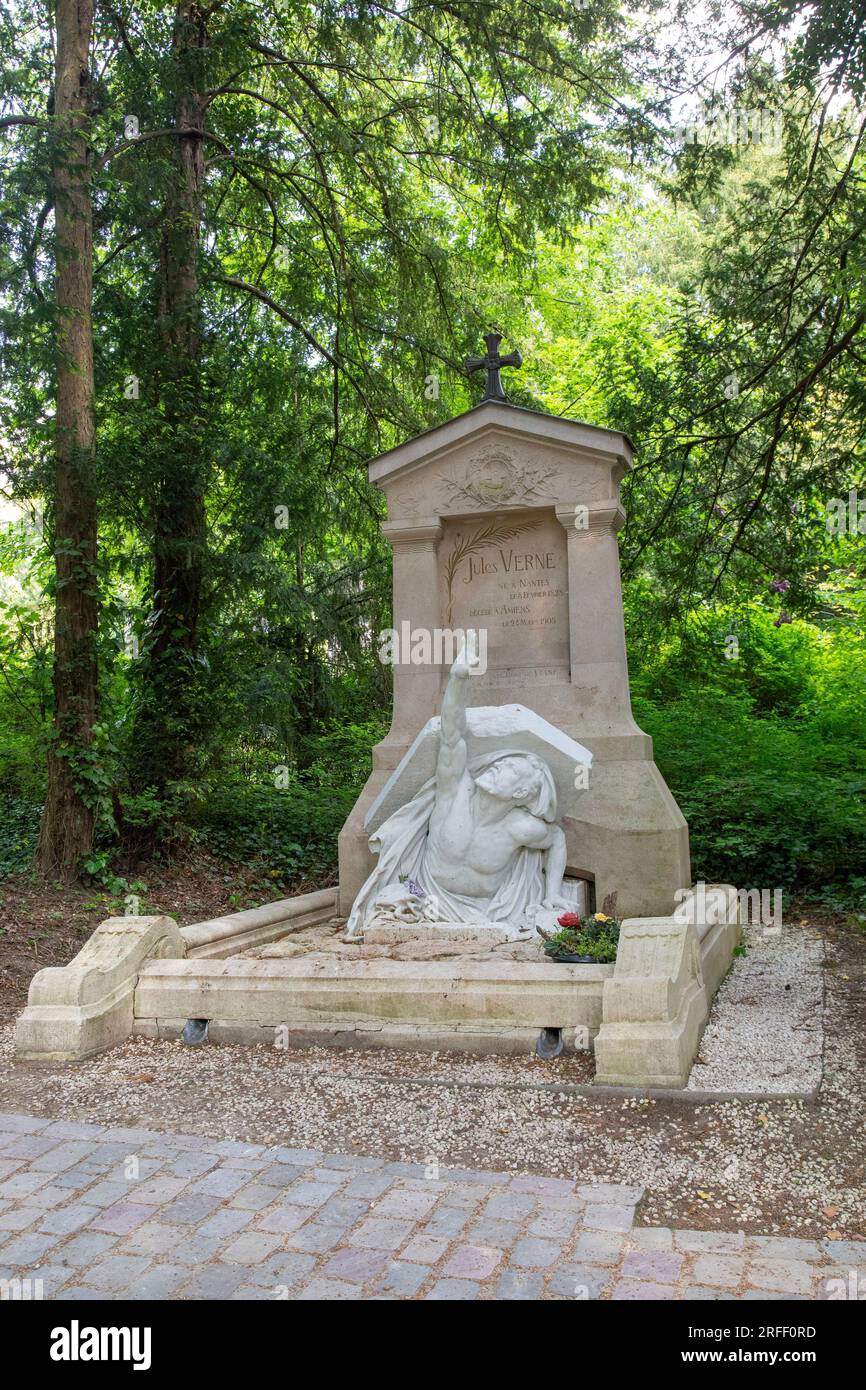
(73, 1179)
(717, 1242)
(85, 1247)
(19, 1218)
(613, 1194)
(105, 1194)
(283, 1269)
(251, 1247)
(425, 1250)
(309, 1194)
(599, 1247)
(636, 1290)
(10, 1166)
(520, 1284)
(368, 1185)
(600, 1217)
(221, 1182)
(234, 1148)
(46, 1198)
(652, 1237)
(502, 1234)
(155, 1191)
(81, 1294)
(472, 1262)
(29, 1146)
(344, 1211)
(155, 1238)
(66, 1220)
(485, 1177)
(463, 1196)
(66, 1129)
(190, 1208)
(723, 1270)
(382, 1233)
(659, 1266)
(581, 1281)
(283, 1219)
(328, 1290)
(402, 1202)
(115, 1272)
(351, 1163)
(317, 1237)
(121, 1135)
(844, 1252)
(255, 1197)
(543, 1187)
(247, 1292)
(192, 1165)
(305, 1157)
(160, 1282)
(27, 1249)
(507, 1206)
(447, 1221)
(407, 1170)
(23, 1124)
(215, 1281)
(557, 1225)
(786, 1248)
(533, 1253)
(22, 1184)
(357, 1266)
(122, 1218)
(62, 1156)
(788, 1276)
(404, 1277)
(226, 1222)
(453, 1290)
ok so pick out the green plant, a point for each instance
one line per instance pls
(596, 936)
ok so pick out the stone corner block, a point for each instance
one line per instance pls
(654, 1006)
(82, 1008)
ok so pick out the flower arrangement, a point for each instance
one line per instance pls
(592, 939)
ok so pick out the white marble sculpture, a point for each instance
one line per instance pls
(478, 843)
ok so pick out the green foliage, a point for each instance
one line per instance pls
(596, 936)
(292, 830)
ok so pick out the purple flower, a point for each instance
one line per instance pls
(780, 586)
(783, 618)
(416, 889)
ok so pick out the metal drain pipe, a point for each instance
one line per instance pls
(550, 1043)
(195, 1031)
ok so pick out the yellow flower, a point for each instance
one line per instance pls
(600, 917)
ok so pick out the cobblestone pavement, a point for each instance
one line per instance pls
(95, 1212)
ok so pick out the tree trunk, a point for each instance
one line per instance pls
(66, 832)
(170, 718)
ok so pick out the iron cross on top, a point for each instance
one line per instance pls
(491, 364)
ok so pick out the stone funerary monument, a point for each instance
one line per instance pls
(505, 520)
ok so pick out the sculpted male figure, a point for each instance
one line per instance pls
(478, 842)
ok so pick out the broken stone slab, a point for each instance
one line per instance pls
(488, 934)
(80, 1009)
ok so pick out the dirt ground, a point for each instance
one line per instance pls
(47, 924)
(793, 1167)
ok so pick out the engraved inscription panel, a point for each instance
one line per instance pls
(508, 573)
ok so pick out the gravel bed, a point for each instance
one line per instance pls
(765, 1033)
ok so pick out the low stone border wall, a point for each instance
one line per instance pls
(656, 1005)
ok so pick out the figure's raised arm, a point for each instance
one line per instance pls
(453, 755)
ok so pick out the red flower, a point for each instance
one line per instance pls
(569, 919)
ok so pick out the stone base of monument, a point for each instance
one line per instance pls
(284, 975)
(484, 932)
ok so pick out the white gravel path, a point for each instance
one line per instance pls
(765, 1035)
